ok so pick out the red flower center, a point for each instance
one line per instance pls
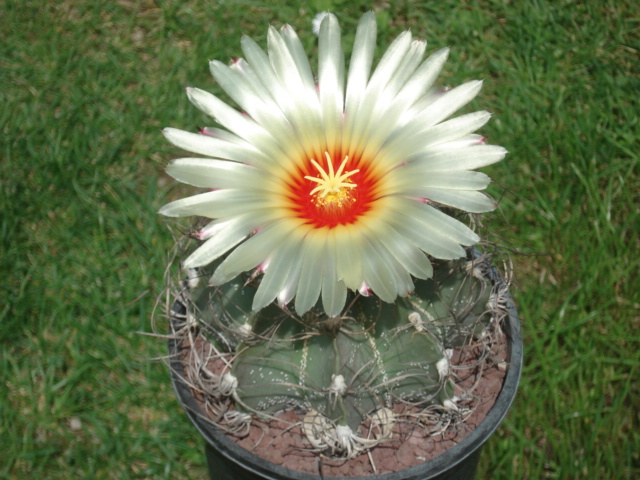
(332, 191)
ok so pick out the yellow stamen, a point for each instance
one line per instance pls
(331, 184)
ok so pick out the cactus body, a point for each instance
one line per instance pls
(346, 367)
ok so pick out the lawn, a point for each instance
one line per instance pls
(86, 88)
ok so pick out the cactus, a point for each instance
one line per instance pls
(332, 276)
(342, 371)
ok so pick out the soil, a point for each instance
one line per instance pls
(479, 377)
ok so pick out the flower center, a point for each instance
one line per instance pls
(324, 196)
(333, 187)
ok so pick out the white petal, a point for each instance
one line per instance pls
(267, 114)
(467, 158)
(407, 67)
(299, 56)
(302, 107)
(389, 63)
(239, 124)
(434, 219)
(214, 147)
(242, 67)
(278, 271)
(239, 88)
(423, 78)
(469, 201)
(334, 291)
(379, 235)
(349, 256)
(209, 173)
(360, 64)
(331, 80)
(432, 231)
(334, 296)
(251, 253)
(263, 71)
(212, 228)
(382, 90)
(402, 279)
(473, 140)
(427, 239)
(411, 180)
(448, 103)
(386, 108)
(455, 128)
(230, 233)
(310, 283)
(221, 134)
(412, 259)
(380, 274)
(215, 204)
(414, 138)
(290, 286)
(383, 73)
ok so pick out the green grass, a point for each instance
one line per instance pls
(85, 89)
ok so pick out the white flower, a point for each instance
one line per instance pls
(331, 183)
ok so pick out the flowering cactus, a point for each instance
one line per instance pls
(335, 278)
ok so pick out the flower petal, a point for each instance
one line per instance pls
(466, 158)
(239, 124)
(349, 256)
(412, 259)
(334, 291)
(448, 103)
(430, 241)
(412, 180)
(209, 173)
(469, 201)
(230, 233)
(382, 274)
(214, 147)
(360, 64)
(423, 78)
(434, 219)
(242, 67)
(302, 105)
(263, 71)
(290, 286)
(386, 108)
(414, 139)
(379, 80)
(278, 271)
(221, 134)
(309, 286)
(331, 80)
(252, 252)
(266, 113)
(299, 56)
(455, 128)
(216, 204)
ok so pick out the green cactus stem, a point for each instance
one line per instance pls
(345, 368)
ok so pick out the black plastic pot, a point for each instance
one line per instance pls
(228, 461)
